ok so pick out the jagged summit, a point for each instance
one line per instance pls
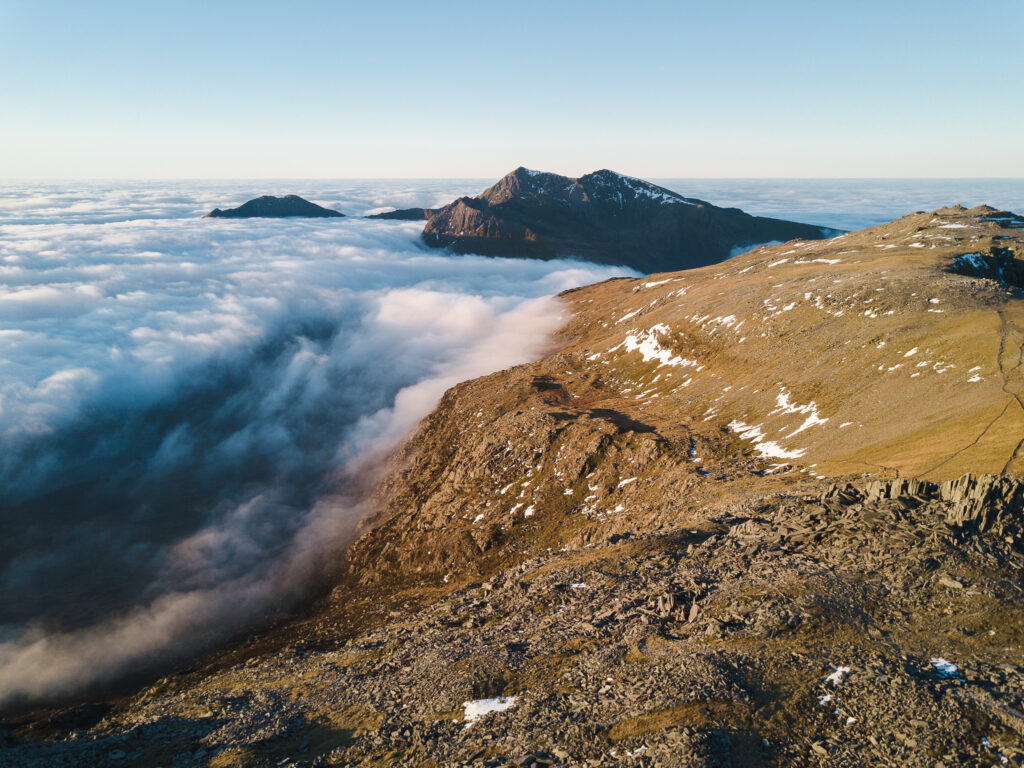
(524, 182)
(605, 217)
(604, 186)
(268, 206)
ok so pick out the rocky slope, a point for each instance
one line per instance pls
(269, 206)
(767, 512)
(604, 217)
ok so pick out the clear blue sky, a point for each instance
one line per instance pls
(444, 89)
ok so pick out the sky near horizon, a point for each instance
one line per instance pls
(447, 89)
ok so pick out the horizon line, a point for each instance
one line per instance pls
(19, 179)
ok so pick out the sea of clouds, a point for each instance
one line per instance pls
(850, 203)
(191, 409)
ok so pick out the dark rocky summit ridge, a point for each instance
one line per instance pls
(603, 217)
(272, 207)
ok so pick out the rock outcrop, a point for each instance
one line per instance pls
(602, 217)
(272, 207)
(972, 503)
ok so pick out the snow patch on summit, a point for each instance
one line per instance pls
(641, 188)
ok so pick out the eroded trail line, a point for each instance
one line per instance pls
(974, 442)
(1006, 345)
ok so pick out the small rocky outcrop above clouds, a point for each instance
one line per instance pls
(603, 217)
(270, 207)
(404, 214)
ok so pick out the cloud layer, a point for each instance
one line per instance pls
(98, 202)
(181, 399)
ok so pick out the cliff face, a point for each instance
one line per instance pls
(767, 512)
(604, 217)
(269, 206)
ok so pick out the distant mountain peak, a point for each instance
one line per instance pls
(603, 216)
(268, 206)
(523, 182)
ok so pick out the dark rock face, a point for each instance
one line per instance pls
(269, 206)
(973, 503)
(404, 214)
(603, 217)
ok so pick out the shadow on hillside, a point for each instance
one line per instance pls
(621, 420)
(174, 740)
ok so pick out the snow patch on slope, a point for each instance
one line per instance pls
(766, 449)
(650, 348)
(785, 406)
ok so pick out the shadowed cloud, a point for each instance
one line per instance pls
(189, 410)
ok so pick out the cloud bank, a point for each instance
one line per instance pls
(98, 202)
(184, 404)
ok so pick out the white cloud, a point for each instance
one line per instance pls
(179, 398)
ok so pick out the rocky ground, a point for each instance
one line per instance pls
(788, 630)
(680, 539)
